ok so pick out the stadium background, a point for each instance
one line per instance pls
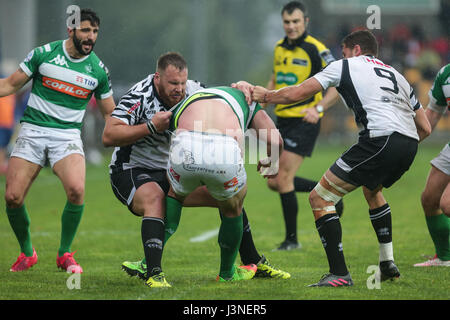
(228, 40)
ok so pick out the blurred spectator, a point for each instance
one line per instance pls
(429, 62)
(7, 123)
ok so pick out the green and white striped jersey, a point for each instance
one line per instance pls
(235, 98)
(62, 86)
(440, 91)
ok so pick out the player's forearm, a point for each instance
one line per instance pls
(119, 135)
(293, 94)
(284, 95)
(5, 88)
(422, 124)
(13, 83)
(433, 117)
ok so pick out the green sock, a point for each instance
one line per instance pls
(20, 223)
(70, 220)
(439, 227)
(173, 215)
(230, 235)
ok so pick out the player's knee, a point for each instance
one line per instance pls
(314, 199)
(430, 203)
(75, 193)
(445, 206)
(13, 199)
(272, 184)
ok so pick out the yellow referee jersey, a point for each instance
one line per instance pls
(293, 64)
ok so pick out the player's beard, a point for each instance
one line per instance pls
(79, 44)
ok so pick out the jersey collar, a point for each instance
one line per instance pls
(69, 57)
(297, 42)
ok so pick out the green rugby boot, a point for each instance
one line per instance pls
(241, 273)
(138, 268)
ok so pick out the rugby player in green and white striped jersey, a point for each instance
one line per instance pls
(436, 196)
(65, 75)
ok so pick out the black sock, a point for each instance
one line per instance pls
(152, 231)
(247, 250)
(382, 223)
(290, 210)
(303, 185)
(330, 233)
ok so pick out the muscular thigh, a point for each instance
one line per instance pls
(71, 170)
(149, 201)
(126, 183)
(436, 183)
(19, 177)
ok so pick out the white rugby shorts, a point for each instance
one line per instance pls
(214, 160)
(442, 161)
(38, 144)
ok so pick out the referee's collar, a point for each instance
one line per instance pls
(296, 43)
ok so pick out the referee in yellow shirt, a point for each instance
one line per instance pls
(297, 57)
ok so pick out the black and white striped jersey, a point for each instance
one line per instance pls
(380, 97)
(138, 106)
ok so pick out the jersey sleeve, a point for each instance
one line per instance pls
(325, 54)
(129, 107)
(438, 101)
(32, 61)
(415, 103)
(330, 76)
(104, 88)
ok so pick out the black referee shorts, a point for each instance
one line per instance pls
(298, 136)
(376, 161)
(124, 183)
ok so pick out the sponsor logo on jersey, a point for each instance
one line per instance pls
(29, 56)
(300, 62)
(134, 107)
(87, 82)
(65, 87)
(327, 56)
(60, 60)
(288, 78)
(231, 183)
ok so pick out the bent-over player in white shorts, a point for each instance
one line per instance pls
(206, 151)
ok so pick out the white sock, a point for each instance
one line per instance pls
(386, 251)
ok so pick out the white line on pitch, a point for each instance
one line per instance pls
(205, 236)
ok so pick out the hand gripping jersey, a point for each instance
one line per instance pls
(293, 64)
(62, 86)
(138, 106)
(380, 97)
(235, 99)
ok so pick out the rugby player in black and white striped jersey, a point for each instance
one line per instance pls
(138, 129)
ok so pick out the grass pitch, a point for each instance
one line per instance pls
(109, 234)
